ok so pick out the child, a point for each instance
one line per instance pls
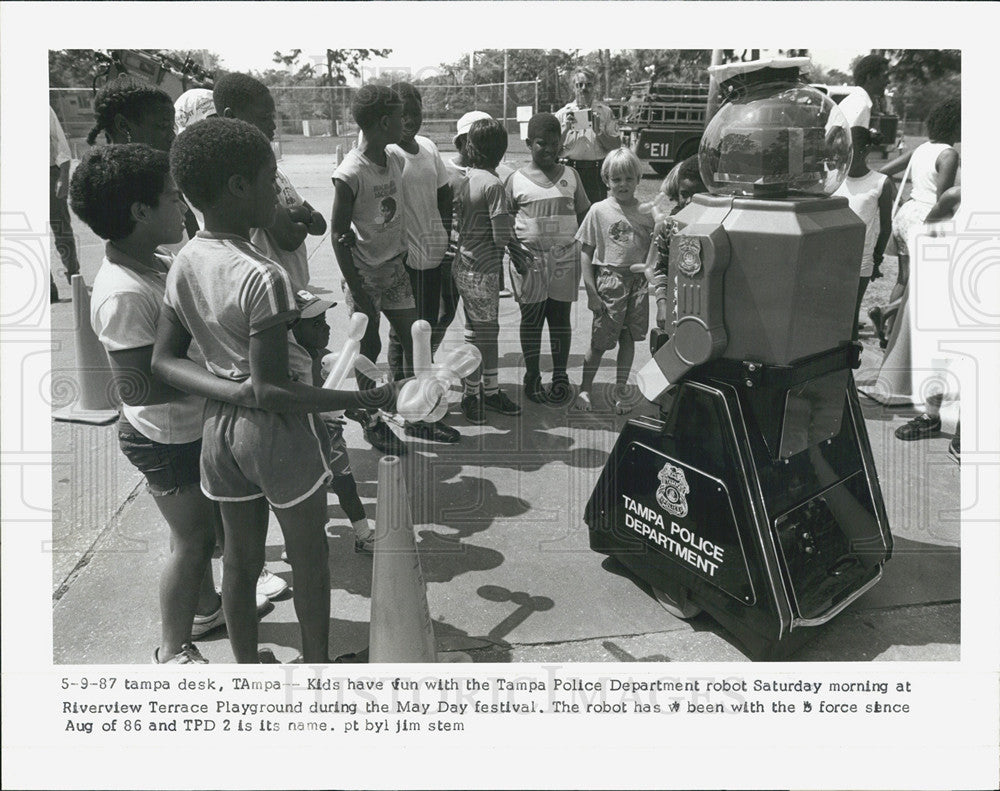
(933, 167)
(371, 246)
(428, 204)
(243, 97)
(615, 236)
(127, 197)
(312, 333)
(128, 110)
(485, 228)
(549, 202)
(681, 184)
(263, 448)
(870, 195)
(458, 168)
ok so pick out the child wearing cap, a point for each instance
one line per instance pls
(312, 333)
(485, 228)
(458, 169)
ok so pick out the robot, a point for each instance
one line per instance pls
(754, 496)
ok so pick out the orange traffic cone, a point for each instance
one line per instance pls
(96, 397)
(401, 628)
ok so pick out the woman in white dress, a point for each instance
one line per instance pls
(907, 375)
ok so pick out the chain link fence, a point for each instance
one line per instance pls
(325, 112)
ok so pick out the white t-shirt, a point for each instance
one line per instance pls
(923, 172)
(862, 195)
(124, 308)
(378, 220)
(58, 146)
(295, 262)
(424, 173)
(857, 107)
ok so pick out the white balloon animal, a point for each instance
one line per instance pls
(425, 397)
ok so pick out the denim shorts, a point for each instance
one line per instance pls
(168, 468)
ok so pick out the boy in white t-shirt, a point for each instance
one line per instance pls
(370, 242)
(428, 207)
(243, 97)
(615, 238)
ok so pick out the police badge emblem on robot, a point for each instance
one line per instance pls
(689, 260)
(672, 492)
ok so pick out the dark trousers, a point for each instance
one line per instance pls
(533, 316)
(62, 229)
(448, 305)
(426, 285)
(590, 177)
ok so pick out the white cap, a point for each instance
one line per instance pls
(466, 121)
(192, 106)
(726, 71)
(310, 305)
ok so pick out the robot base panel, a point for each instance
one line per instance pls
(758, 503)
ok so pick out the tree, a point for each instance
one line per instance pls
(923, 65)
(337, 63)
(923, 77)
(72, 68)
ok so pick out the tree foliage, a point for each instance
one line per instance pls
(921, 78)
(923, 66)
(331, 68)
(72, 68)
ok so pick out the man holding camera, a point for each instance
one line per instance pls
(589, 132)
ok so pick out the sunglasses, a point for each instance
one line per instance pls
(584, 84)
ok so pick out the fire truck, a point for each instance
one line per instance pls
(75, 108)
(662, 122)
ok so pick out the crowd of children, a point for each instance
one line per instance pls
(217, 350)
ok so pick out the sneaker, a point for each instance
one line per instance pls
(361, 416)
(381, 437)
(955, 446)
(188, 655)
(560, 391)
(436, 432)
(203, 624)
(533, 389)
(472, 408)
(270, 585)
(921, 427)
(499, 402)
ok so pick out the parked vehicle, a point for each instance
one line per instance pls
(662, 122)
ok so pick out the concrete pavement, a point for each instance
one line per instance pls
(499, 526)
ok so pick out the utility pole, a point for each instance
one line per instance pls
(504, 89)
(712, 105)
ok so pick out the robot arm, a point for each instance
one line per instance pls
(699, 257)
